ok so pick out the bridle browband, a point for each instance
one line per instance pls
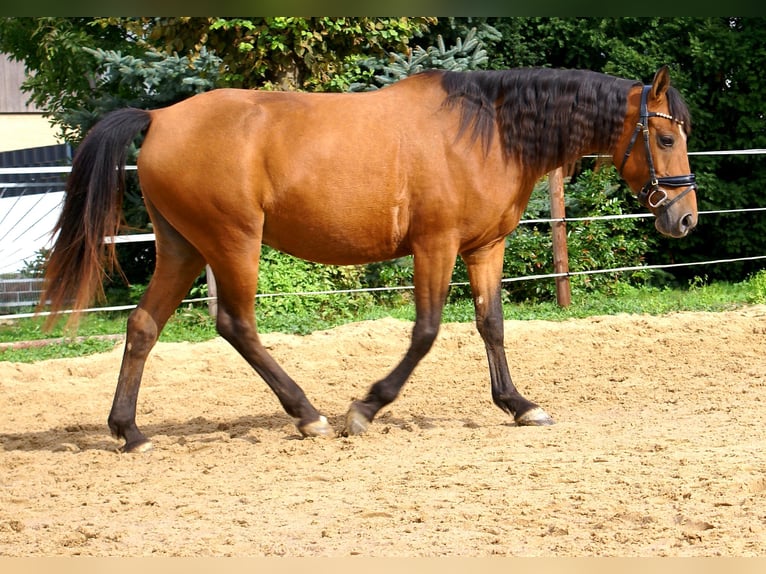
(646, 196)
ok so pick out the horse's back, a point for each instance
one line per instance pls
(339, 167)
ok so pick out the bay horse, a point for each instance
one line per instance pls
(438, 165)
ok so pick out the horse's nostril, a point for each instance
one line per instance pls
(686, 223)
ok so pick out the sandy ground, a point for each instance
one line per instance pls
(658, 448)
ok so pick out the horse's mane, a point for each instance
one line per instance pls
(545, 116)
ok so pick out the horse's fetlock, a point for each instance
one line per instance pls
(115, 429)
(384, 394)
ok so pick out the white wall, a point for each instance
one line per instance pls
(21, 125)
(21, 131)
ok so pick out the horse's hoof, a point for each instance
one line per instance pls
(137, 447)
(356, 422)
(318, 428)
(535, 417)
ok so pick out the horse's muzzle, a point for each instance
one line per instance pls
(674, 218)
(675, 225)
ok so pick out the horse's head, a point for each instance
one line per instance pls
(653, 156)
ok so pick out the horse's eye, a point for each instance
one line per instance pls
(665, 141)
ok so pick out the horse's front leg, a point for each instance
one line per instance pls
(485, 267)
(434, 261)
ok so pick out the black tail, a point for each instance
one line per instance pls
(92, 210)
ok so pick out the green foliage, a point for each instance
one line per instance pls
(282, 274)
(196, 325)
(200, 288)
(466, 54)
(278, 52)
(62, 350)
(190, 324)
(150, 80)
(32, 329)
(36, 266)
(605, 244)
(395, 273)
(61, 73)
(758, 288)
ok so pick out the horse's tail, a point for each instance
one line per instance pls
(92, 211)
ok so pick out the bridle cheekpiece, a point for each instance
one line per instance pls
(652, 195)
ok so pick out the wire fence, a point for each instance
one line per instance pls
(150, 237)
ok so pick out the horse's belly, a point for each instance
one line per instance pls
(351, 236)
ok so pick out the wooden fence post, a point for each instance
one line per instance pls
(212, 304)
(559, 230)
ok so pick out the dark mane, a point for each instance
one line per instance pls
(545, 116)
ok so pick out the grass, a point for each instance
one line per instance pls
(195, 325)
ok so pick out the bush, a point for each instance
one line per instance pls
(758, 285)
(394, 273)
(282, 273)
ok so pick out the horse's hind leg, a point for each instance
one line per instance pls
(485, 267)
(236, 283)
(178, 264)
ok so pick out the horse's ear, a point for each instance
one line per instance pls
(661, 83)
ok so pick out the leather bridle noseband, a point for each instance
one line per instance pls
(653, 187)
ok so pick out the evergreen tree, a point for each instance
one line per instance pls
(467, 53)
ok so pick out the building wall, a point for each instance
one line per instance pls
(21, 125)
(12, 99)
(27, 218)
(21, 131)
